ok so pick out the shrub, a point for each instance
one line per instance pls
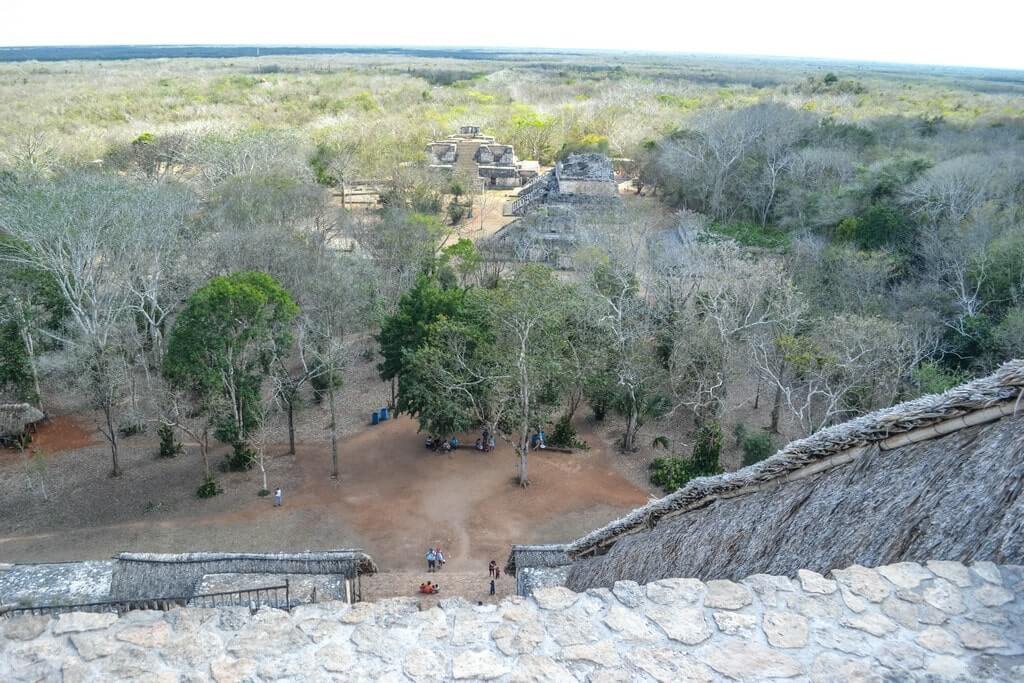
(756, 447)
(209, 488)
(131, 428)
(707, 449)
(242, 458)
(752, 234)
(169, 448)
(933, 378)
(564, 435)
(671, 473)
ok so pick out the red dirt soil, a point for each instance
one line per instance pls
(60, 433)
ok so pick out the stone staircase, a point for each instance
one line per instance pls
(465, 164)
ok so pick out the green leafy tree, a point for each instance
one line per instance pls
(224, 342)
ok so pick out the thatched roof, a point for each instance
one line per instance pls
(144, 575)
(15, 417)
(977, 402)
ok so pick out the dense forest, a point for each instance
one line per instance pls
(815, 241)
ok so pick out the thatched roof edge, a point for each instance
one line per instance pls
(1005, 385)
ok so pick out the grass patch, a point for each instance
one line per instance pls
(752, 235)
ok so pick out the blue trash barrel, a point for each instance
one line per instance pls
(383, 413)
(374, 418)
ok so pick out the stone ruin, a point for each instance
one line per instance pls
(474, 155)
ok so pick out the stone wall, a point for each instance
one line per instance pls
(940, 621)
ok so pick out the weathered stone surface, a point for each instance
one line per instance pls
(785, 629)
(829, 667)
(813, 582)
(92, 645)
(977, 637)
(481, 664)
(873, 623)
(513, 639)
(423, 665)
(76, 622)
(938, 640)
(905, 574)
(669, 666)
(629, 593)
(726, 595)
(630, 625)
(685, 624)
(554, 597)
(954, 572)
(944, 596)
(25, 628)
(676, 591)
(987, 571)
(539, 669)
(603, 653)
(864, 582)
(992, 596)
(231, 670)
(769, 627)
(735, 623)
(748, 661)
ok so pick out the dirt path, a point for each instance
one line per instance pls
(394, 499)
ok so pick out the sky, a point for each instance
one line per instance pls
(984, 33)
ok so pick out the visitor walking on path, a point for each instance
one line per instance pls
(277, 498)
(440, 558)
(431, 560)
(492, 586)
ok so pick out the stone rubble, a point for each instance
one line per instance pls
(907, 622)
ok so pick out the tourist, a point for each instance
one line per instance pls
(492, 587)
(543, 439)
(486, 439)
(492, 568)
(440, 558)
(493, 444)
(429, 443)
(277, 498)
(534, 440)
(431, 559)
(479, 445)
(454, 443)
(446, 447)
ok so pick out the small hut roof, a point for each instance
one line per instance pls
(14, 417)
(998, 394)
(144, 575)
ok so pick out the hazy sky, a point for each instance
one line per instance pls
(966, 32)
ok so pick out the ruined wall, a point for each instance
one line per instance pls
(942, 621)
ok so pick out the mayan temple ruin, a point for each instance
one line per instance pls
(885, 548)
(473, 155)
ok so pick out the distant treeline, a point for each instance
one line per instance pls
(55, 53)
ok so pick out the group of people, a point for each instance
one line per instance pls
(435, 559)
(494, 571)
(486, 442)
(437, 444)
(430, 588)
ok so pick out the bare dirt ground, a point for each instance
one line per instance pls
(394, 498)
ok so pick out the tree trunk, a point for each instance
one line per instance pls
(777, 403)
(291, 427)
(632, 427)
(394, 395)
(524, 477)
(334, 431)
(757, 394)
(204, 450)
(111, 435)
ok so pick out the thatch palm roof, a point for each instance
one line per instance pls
(16, 417)
(873, 440)
(143, 575)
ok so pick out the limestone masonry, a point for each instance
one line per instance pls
(933, 622)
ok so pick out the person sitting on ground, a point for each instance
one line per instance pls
(446, 447)
(479, 445)
(454, 443)
(543, 439)
(486, 440)
(534, 440)
(429, 443)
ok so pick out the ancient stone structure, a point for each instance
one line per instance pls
(939, 621)
(473, 155)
